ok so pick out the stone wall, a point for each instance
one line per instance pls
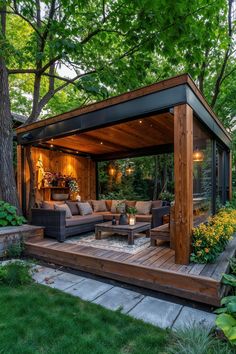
(15, 234)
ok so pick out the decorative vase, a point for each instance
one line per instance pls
(123, 219)
(73, 196)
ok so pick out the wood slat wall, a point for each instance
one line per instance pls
(81, 168)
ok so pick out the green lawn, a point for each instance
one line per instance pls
(35, 319)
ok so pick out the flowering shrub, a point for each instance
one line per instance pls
(211, 238)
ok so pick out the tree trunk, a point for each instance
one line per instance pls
(8, 191)
(31, 201)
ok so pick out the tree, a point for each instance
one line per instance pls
(111, 46)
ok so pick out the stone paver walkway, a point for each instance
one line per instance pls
(149, 309)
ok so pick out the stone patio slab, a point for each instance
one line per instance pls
(119, 298)
(89, 289)
(189, 316)
(45, 272)
(157, 312)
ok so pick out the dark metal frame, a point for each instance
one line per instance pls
(143, 106)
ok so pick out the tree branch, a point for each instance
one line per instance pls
(22, 71)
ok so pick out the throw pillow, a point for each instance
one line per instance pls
(73, 207)
(99, 205)
(156, 203)
(143, 208)
(64, 207)
(85, 208)
(117, 203)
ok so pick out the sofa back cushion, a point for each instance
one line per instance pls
(157, 203)
(73, 207)
(114, 205)
(130, 203)
(108, 204)
(50, 204)
(85, 208)
(143, 208)
(64, 207)
(99, 205)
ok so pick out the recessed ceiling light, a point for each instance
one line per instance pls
(77, 152)
(52, 139)
(101, 143)
(51, 146)
(140, 121)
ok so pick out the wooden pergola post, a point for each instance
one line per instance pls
(19, 173)
(183, 169)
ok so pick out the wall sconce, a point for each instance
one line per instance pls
(112, 170)
(198, 155)
(129, 170)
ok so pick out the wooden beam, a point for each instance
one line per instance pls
(183, 168)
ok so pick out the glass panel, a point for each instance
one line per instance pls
(219, 177)
(202, 172)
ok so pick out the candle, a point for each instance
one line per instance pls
(132, 220)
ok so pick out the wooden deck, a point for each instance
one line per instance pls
(153, 268)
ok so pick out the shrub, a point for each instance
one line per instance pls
(15, 249)
(211, 238)
(226, 319)
(8, 215)
(15, 273)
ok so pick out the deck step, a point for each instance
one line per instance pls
(186, 285)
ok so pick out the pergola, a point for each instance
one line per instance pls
(168, 116)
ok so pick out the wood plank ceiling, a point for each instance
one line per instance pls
(140, 133)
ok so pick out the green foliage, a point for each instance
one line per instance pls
(15, 249)
(151, 174)
(211, 238)
(15, 274)
(166, 196)
(131, 210)
(8, 215)
(196, 339)
(226, 319)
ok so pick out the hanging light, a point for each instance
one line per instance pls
(198, 155)
(111, 170)
(129, 170)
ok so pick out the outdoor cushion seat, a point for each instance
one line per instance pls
(85, 219)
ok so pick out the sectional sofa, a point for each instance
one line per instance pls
(58, 224)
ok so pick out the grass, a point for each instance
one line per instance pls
(35, 319)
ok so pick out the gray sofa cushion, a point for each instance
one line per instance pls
(143, 207)
(73, 207)
(77, 220)
(85, 208)
(64, 207)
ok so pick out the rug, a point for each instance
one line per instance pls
(111, 242)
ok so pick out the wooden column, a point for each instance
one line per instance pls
(19, 173)
(183, 168)
(230, 176)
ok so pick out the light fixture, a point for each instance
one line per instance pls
(140, 121)
(198, 155)
(129, 170)
(101, 143)
(51, 146)
(52, 139)
(111, 170)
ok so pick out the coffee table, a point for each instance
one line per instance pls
(129, 230)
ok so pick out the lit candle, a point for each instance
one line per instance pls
(132, 220)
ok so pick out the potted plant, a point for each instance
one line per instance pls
(132, 211)
(166, 197)
(123, 219)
